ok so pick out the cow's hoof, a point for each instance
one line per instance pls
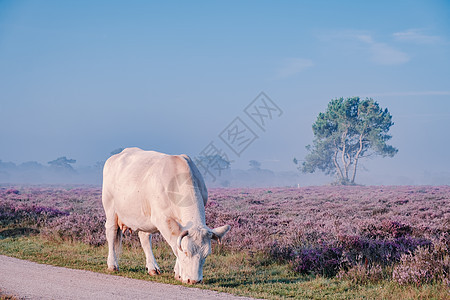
(188, 281)
(113, 269)
(154, 272)
(177, 277)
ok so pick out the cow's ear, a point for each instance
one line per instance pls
(182, 235)
(174, 227)
(219, 232)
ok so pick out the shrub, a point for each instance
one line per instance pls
(319, 230)
(324, 260)
(362, 274)
(386, 229)
(424, 265)
(85, 228)
(377, 251)
(12, 191)
(15, 213)
(328, 258)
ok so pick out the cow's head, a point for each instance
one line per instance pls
(193, 246)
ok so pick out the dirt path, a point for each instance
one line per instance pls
(29, 280)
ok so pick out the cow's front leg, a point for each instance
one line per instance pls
(146, 243)
(176, 269)
(170, 230)
(114, 239)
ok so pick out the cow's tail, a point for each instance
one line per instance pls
(118, 242)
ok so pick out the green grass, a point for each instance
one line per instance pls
(234, 272)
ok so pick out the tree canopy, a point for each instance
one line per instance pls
(62, 163)
(350, 129)
(254, 164)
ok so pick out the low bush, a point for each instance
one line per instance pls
(351, 232)
(13, 213)
(347, 253)
(362, 274)
(77, 227)
(424, 265)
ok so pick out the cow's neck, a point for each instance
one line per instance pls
(193, 215)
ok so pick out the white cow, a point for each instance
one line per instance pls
(150, 192)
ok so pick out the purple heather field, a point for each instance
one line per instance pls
(327, 230)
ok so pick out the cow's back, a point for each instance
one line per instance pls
(129, 167)
(135, 182)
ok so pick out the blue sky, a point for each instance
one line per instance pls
(81, 78)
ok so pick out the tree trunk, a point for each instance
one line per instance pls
(344, 162)
(354, 170)
(341, 176)
(357, 157)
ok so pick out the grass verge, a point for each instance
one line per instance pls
(233, 272)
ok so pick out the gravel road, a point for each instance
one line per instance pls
(29, 280)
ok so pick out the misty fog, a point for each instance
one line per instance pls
(79, 81)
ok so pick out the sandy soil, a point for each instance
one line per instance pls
(29, 280)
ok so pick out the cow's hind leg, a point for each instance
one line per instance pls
(146, 242)
(114, 239)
